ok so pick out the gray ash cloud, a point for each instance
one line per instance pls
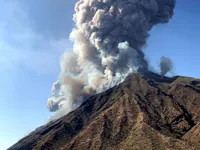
(108, 40)
(166, 65)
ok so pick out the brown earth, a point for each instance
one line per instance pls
(145, 112)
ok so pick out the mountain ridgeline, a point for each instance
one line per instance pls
(146, 111)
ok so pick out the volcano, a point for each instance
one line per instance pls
(146, 111)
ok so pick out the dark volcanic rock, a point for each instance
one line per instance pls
(146, 111)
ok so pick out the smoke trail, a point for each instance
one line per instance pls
(166, 65)
(108, 39)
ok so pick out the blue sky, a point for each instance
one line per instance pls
(34, 35)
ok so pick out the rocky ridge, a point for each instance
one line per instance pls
(146, 111)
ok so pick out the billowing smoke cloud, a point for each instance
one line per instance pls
(166, 65)
(108, 39)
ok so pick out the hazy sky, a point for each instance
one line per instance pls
(33, 36)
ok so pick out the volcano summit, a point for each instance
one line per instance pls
(146, 111)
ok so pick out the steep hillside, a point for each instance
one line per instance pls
(146, 111)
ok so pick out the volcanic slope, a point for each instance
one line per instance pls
(146, 111)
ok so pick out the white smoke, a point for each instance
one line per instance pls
(108, 39)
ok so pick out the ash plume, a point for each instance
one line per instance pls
(166, 65)
(108, 41)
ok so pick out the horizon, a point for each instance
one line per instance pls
(31, 48)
